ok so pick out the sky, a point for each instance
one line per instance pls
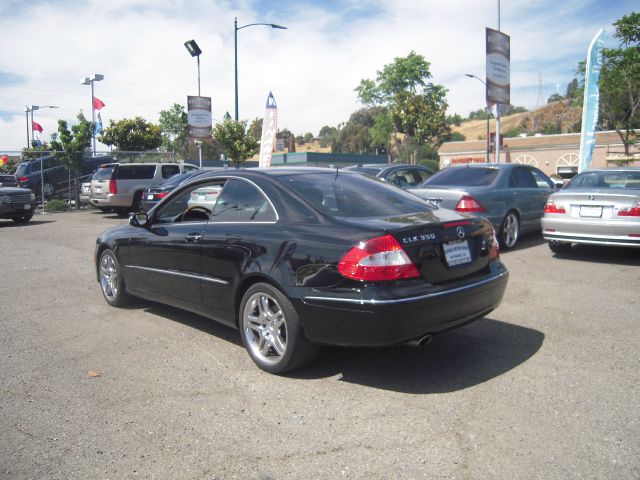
(312, 67)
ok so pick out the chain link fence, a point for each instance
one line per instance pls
(44, 173)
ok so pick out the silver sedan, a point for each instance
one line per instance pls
(600, 207)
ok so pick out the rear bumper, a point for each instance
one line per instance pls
(624, 233)
(111, 200)
(330, 319)
(10, 210)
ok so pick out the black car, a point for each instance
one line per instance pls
(400, 174)
(50, 175)
(16, 203)
(152, 195)
(296, 258)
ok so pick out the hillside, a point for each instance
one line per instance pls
(557, 117)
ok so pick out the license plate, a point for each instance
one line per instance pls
(150, 197)
(586, 211)
(457, 253)
(27, 207)
(98, 189)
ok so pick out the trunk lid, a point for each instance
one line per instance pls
(444, 245)
(602, 203)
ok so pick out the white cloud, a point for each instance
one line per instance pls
(312, 68)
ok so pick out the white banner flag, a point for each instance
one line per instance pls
(269, 128)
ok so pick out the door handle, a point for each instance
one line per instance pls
(193, 237)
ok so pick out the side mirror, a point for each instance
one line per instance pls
(140, 219)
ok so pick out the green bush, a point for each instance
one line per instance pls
(56, 206)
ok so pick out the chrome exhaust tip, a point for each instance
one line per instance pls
(421, 342)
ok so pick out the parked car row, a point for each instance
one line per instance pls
(296, 258)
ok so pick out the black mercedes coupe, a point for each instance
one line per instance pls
(296, 258)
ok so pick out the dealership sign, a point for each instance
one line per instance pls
(498, 68)
(199, 117)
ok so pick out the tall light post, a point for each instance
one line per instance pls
(235, 48)
(90, 81)
(28, 110)
(193, 48)
(486, 110)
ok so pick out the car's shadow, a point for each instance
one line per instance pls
(528, 240)
(453, 361)
(601, 254)
(31, 223)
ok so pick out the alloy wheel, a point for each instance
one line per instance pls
(109, 277)
(265, 329)
(510, 230)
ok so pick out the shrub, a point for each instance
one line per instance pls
(56, 206)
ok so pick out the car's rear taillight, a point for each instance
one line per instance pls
(160, 195)
(23, 179)
(378, 259)
(634, 211)
(113, 187)
(551, 207)
(469, 204)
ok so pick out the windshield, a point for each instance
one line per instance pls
(463, 177)
(352, 195)
(616, 179)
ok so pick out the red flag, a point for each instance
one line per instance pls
(97, 103)
(37, 127)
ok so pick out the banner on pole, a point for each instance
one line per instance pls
(591, 102)
(269, 129)
(498, 68)
(199, 117)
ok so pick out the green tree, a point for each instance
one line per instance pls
(238, 143)
(556, 97)
(256, 128)
(174, 130)
(620, 82)
(416, 107)
(73, 144)
(31, 153)
(308, 137)
(355, 135)
(132, 134)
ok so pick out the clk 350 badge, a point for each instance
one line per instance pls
(423, 237)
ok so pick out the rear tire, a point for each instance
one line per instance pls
(559, 247)
(111, 280)
(271, 330)
(122, 211)
(509, 231)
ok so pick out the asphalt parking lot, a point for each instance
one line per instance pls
(546, 387)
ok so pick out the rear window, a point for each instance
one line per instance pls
(351, 195)
(103, 173)
(463, 177)
(135, 172)
(627, 180)
(23, 169)
(366, 170)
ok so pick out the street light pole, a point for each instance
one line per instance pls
(486, 110)
(235, 49)
(90, 81)
(28, 110)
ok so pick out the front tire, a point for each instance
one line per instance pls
(559, 247)
(509, 231)
(111, 280)
(271, 330)
(23, 218)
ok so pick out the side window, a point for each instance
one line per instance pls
(135, 172)
(170, 170)
(522, 178)
(240, 201)
(422, 175)
(541, 180)
(401, 178)
(194, 204)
